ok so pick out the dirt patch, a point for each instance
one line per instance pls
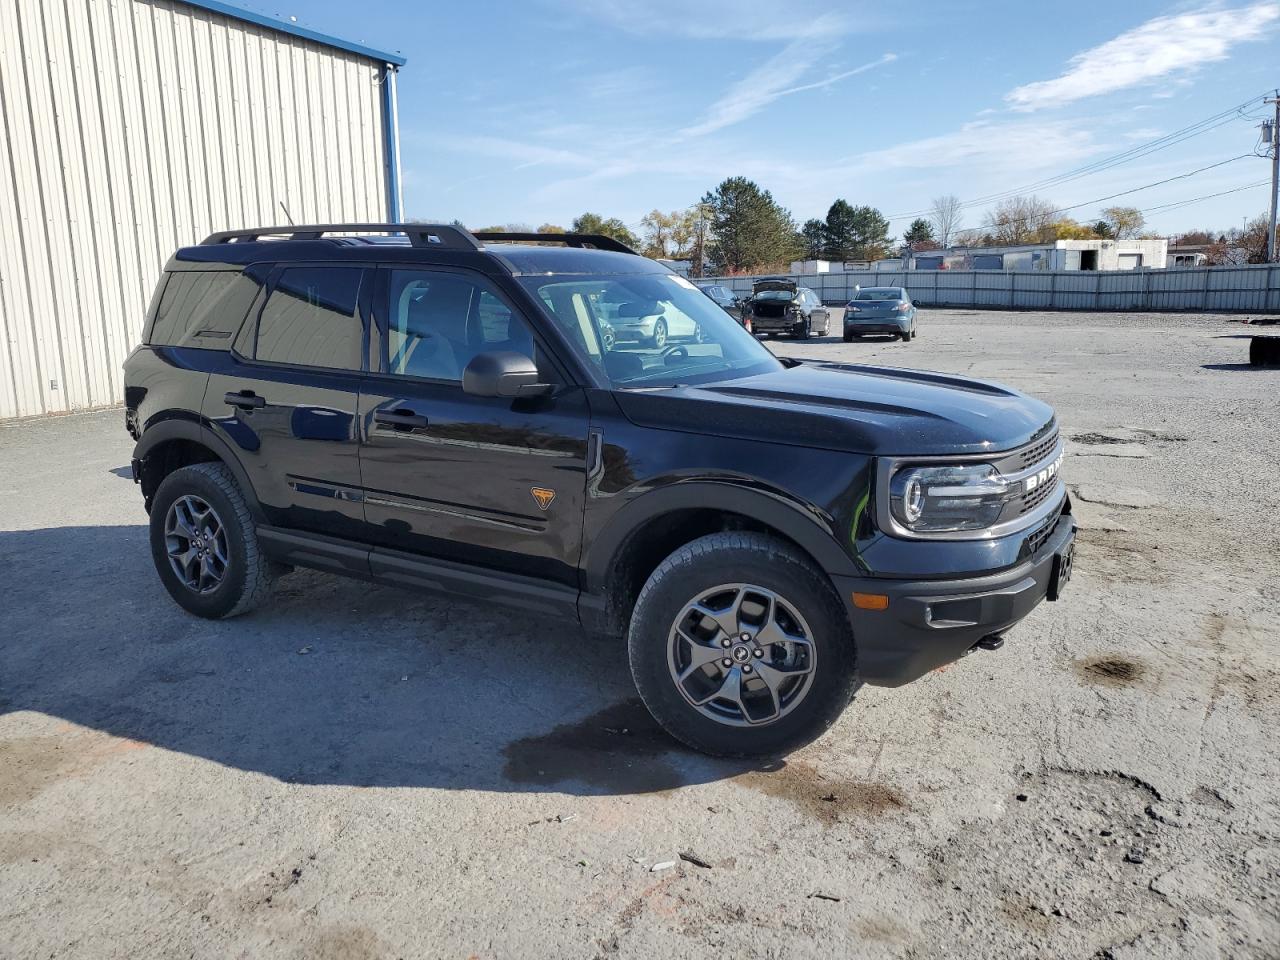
(620, 748)
(1111, 671)
(827, 800)
(1098, 439)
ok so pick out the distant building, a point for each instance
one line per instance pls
(1188, 254)
(1055, 255)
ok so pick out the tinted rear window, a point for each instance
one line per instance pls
(310, 319)
(202, 309)
(891, 294)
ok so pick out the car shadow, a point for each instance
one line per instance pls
(335, 681)
(1237, 366)
(125, 473)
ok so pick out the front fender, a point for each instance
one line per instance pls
(804, 524)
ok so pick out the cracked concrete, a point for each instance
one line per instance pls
(171, 787)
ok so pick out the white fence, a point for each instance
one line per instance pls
(1251, 289)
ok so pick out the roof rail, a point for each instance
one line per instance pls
(419, 234)
(597, 240)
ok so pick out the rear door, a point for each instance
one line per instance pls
(285, 399)
(488, 481)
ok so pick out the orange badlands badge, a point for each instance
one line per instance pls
(543, 495)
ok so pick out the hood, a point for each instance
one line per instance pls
(777, 283)
(881, 411)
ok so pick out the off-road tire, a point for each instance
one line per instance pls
(751, 558)
(248, 577)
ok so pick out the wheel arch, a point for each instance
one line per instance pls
(171, 444)
(621, 557)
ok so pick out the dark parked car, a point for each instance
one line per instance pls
(780, 305)
(726, 299)
(880, 310)
(444, 412)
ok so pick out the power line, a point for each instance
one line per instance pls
(1097, 166)
(1146, 186)
(1208, 196)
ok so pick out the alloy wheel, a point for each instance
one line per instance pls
(195, 541)
(741, 655)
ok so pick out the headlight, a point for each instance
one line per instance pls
(948, 498)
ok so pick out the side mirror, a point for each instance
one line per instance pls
(503, 373)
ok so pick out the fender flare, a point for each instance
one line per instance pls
(195, 431)
(789, 517)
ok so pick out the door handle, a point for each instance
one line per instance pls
(399, 419)
(244, 399)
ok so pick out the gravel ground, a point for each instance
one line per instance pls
(360, 772)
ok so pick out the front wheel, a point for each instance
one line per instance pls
(739, 647)
(659, 338)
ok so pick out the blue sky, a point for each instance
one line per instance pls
(535, 111)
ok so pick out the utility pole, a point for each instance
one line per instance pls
(1274, 144)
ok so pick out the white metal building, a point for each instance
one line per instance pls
(129, 128)
(1054, 255)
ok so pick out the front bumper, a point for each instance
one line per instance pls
(929, 623)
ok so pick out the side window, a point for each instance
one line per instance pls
(202, 309)
(437, 322)
(311, 319)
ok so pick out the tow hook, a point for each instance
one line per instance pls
(992, 642)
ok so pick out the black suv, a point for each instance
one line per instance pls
(439, 409)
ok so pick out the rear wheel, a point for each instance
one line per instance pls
(848, 337)
(659, 338)
(740, 648)
(204, 544)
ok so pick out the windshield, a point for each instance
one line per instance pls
(888, 294)
(649, 330)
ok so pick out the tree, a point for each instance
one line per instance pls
(613, 227)
(550, 228)
(1125, 222)
(1193, 238)
(1068, 229)
(920, 231)
(1239, 247)
(750, 229)
(1025, 219)
(1102, 230)
(506, 228)
(946, 216)
(856, 233)
(813, 236)
(840, 232)
(659, 233)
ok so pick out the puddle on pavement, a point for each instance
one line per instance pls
(827, 800)
(1111, 671)
(620, 748)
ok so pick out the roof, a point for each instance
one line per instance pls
(286, 26)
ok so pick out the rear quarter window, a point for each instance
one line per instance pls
(203, 309)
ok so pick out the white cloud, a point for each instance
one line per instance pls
(1172, 45)
(762, 20)
(777, 77)
(1012, 146)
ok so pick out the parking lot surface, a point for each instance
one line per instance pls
(355, 771)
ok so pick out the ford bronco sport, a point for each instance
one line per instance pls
(420, 406)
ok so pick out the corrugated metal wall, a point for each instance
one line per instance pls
(132, 127)
(1250, 289)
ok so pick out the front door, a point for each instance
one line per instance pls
(480, 480)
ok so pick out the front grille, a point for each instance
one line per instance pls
(1037, 496)
(1033, 455)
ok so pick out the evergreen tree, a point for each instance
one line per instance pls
(750, 229)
